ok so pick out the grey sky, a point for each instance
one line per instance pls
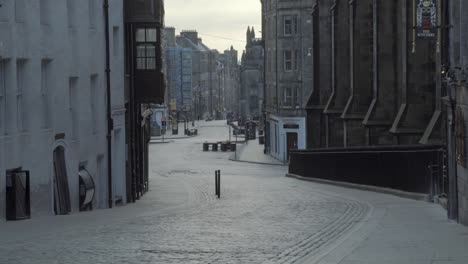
(223, 18)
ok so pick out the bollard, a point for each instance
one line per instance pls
(216, 183)
(219, 184)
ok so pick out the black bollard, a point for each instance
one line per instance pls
(216, 183)
(219, 184)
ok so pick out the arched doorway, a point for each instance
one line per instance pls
(62, 203)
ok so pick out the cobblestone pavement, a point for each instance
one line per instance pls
(262, 217)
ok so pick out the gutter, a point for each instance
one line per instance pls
(110, 123)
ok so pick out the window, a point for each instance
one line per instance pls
(116, 41)
(71, 12)
(92, 13)
(73, 106)
(146, 49)
(19, 11)
(45, 92)
(288, 61)
(291, 60)
(4, 10)
(289, 97)
(20, 86)
(93, 102)
(290, 25)
(44, 11)
(296, 60)
(2, 97)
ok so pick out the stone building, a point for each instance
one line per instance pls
(231, 80)
(205, 83)
(178, 72)
(52, 102)
(455, 49)
(380, 84)
(251, 76)
(287, 27)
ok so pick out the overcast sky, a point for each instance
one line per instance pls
(221, 18)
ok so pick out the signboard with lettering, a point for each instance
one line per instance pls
(291, 126)
(426, 19)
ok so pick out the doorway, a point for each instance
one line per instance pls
(291, 139)
(62, 203)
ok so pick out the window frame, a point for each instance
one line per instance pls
(291, 28)
(288, 60)
(146, 43)
(3, 96)
(289, 96)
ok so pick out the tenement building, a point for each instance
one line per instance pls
(231, 81)
(205, 73)
(251, 77)
(53, 120)
(287, 27)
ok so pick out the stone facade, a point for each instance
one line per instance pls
(205, 83)
(231, 84)
(52, 96)
(178, 62)
(385, 88)
(458, 68)
(288, 47)
(252, 83)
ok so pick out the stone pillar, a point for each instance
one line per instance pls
(383, 108)
(321, 52)
(361, 69)
(417, 87)
(340, 73)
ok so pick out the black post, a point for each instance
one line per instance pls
(216, 182)
(108, 102)
(219, 184)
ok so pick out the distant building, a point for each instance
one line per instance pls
(231, 81)
(251, 76)
(205, 67)
(287, 37)
(179, 73)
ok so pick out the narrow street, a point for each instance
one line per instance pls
(262, 217)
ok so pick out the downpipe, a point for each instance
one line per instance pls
(108, 102)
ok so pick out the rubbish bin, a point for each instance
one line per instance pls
(18, 202)
(214, 147)
(233, 146)
(175, 131)
(223, 147)
(206, 146)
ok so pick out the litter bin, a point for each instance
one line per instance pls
(233, 146)
(214, 147)
(206, 146)
(175, 131)
(18, 203)
(223, 147)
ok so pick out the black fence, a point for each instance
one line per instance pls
(419, 168)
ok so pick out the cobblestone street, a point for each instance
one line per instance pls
(262, 216)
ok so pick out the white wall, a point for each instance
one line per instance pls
(75, 50)
(277, 126)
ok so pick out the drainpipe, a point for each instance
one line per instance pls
(108, 102)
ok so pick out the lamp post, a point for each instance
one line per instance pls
(449, 81)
